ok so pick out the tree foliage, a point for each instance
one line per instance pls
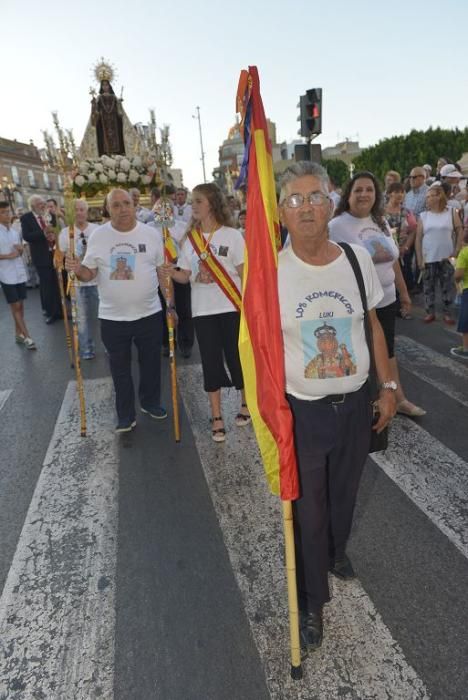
(402, 153)
(337, 169)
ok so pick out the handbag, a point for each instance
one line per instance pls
(378, 441)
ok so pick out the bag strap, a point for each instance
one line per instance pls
(353, 261)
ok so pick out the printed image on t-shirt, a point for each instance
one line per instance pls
(122, 267)
(200, 271)
(328, 349)
(378, 246)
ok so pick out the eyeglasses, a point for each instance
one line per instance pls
(296, 200)
(83, 239)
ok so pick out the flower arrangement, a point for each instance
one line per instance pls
(94, 176)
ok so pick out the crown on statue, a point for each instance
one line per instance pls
(103, 70)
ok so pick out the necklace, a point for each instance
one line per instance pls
(205, 250)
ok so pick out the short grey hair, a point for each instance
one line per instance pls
(82, 201)
(134, 190)
(114, 191)
(302, 169)
(35, 199)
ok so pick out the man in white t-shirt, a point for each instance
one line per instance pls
(127, 261)
(182, 210)
(327, 367)
(13, 275)
(87, 297)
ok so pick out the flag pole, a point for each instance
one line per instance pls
(288, 524)
(76, 343)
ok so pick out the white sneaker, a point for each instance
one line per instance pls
(20, 338)
(30, 344)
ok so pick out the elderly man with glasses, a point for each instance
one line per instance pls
(87, 294)
(327, 368)
(415, 199)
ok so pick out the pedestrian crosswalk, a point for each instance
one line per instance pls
(4, 394)
(58, 605)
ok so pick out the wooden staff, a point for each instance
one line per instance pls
(58, 264)
(76, 342)
(296, 668)
(170, 331)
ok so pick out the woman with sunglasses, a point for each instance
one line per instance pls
(87, 294)
(359, 220)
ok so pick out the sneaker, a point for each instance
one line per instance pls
(459, 352)
(158, 412)
(88, 356)
(20, 338)
(125, 426)
(30, 344)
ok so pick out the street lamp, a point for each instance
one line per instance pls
(201, 142)
(8, 188)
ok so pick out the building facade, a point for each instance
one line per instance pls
(24, 172)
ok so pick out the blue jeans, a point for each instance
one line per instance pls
(87, 301)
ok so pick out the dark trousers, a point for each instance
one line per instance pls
(49, 291)
(332, 444)
(117, 337)
(218, 338)
(185, 334)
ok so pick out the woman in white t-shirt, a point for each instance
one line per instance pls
(216, 317)
(438, 238)
(359, 219)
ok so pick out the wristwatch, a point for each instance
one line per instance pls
(389, 385)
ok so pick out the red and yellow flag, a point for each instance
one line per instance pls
(260, 339)
(170, 250)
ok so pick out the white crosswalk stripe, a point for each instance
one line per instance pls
(434, 477)
(57, 606)
(434, 368)
(359, 655)
(4, 394)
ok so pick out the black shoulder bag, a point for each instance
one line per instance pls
(378, 441)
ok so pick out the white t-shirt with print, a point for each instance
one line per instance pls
(227, 245)
(324, 338)
(126, 263)
(381, 247)
(80, 249)
(11, 271)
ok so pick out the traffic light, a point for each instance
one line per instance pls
(311, 113)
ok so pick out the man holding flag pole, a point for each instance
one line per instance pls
(305, 363)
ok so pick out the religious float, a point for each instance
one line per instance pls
(113, 152)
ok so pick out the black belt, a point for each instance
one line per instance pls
(332, 398)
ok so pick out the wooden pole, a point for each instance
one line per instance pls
(76, 343)
(171, 338)
(58, 264)
(296, 668)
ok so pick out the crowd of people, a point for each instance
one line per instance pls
(349, 264)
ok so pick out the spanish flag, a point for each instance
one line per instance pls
(260, 339)
(170, 250)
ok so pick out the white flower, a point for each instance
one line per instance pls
(146, 179)
(83, 167)
(103, 179)
(80, 180)
(121, 177)
(91, 177)
(99, 168)
(117, 158)
(125, 165)
(133, 175)
(136, 161)
(111, 174)
(111, 163)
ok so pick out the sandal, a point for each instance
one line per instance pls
(243, 418)
(218, 434)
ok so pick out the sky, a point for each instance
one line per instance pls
(385, 67)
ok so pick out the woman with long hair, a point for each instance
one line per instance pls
(359, 219)
(211, 244)
(402, 224)
(438, 238)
